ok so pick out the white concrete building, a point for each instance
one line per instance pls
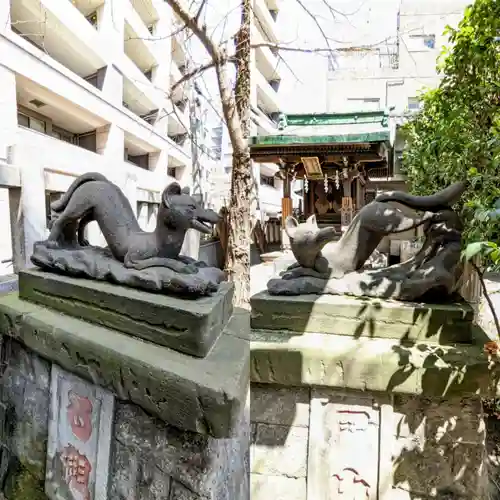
(85, 87)
(399, 62)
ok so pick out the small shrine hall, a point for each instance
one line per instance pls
(343, 159)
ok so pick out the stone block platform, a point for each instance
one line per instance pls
(354, 317)
(93, 380)
(355, 399)
(188, 326)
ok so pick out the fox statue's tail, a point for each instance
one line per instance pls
(434, 203)
(60, 204)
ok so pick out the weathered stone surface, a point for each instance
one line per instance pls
(367, 364)
(134, 477)
(149, 461)
(349, 316)
(21, 481)
(279, 450)
(372, 445)
(277, 488)
(81, 416)
(343, 446)
(97, 264)
(438, 448)
(493, 453)
(446, 420)
(203, 395)
(280, 405)
(26, 403)
(180, 492)
(189, 326)
(24, 411)
(188, 465)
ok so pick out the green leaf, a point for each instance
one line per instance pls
(473, 249)
(495, 256)
(456, 135)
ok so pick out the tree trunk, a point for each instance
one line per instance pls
(239, 233)
(236, 111)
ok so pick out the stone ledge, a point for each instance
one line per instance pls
(202, 395)
(349, 316)
(189, 326)
(315, 359)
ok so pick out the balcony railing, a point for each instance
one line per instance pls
(378, 173)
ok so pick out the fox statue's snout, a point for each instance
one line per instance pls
(204, 219)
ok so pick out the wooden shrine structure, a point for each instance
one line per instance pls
(337, 155)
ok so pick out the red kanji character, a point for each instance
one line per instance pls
(351, 486)
(77, 470)
(80, 416)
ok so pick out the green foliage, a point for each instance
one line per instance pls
(488, 251)
(456, 135)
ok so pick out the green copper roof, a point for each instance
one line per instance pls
(288, 140)
(328, 128)
(335, 118)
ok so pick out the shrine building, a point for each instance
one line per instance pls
(344, 159)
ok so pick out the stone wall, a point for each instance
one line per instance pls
(149, 460)
(25, 402)
(326, 444)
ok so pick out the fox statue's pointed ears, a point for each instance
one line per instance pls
(291, 224)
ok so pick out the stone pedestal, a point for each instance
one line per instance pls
(94, 405)
(357, 400)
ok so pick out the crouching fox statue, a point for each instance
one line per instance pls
(339, 268)
(130, 250)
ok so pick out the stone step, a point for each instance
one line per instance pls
(367, 364)
(355, 317)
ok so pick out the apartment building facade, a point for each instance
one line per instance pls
(86, 87)
(397, 62)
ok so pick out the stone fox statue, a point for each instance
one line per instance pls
(92, 197)
(371, 224)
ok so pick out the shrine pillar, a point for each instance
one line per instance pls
(360, 193)
(346, 211)
(286, 208)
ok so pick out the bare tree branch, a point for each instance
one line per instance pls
(197, 71)
(200, 31)
(315, 50)
(316, 22)
(154, 38)
(200, 10)
(312, 50)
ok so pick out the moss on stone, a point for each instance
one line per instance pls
(23, 484)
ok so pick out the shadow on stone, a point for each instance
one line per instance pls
(439, 448)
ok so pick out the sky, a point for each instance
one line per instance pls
(316, 24)
(310, 25)
(327, 24)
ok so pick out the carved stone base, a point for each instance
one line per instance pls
(329, 444)
(366, 399)
(364, 318)
(202, 395)
(138, 455)
(98, 264)
(188, 326)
